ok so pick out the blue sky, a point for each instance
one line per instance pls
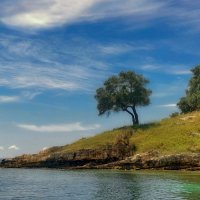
(55, 53)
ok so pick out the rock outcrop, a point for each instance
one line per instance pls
(55, 157)
(65, 160)
(152, 160)
(98, 159)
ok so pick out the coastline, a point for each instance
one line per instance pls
(171, 144)
(146, 161)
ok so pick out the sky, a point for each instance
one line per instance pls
(54, 54)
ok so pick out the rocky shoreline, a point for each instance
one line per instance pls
(96, 159)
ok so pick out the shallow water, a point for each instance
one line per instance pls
(35, 184)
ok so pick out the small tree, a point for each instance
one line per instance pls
(123, 93)
(191, 101)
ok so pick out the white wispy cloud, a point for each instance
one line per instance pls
(40, 14)
(150, 67)
(9, 99)
(59, 127)
(180, 72)
(13, 147)
(1, 148)
(70, 67)
(172, 69)
(172, 105)
(44, 14)
(35, 65)
(169, 89)
(30, 94)
(123, 48)
(21, 76)
(25, 95)
(187, 13)
(39, 66)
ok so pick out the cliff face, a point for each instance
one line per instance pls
(151, 160)
(56, 158)
(65, 160)
(96, 159)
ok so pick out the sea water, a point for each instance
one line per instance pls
(36, 184)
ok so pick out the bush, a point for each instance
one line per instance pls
(122, 145)
(174, 114)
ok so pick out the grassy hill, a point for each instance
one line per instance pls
(172, 143)
(180, 134)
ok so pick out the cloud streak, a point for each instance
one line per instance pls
(1, 148)
(59, 127)
(66, 65)
(9, 99)
(30, 76)
(45, 66)
(172, 105)
(41, 14)
(167, 69)
(13, 147)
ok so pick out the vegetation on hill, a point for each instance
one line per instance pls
(191, 101)
(179, 134)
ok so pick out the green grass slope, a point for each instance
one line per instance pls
(174, 135)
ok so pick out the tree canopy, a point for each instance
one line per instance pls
(191, 101)
(123, 92)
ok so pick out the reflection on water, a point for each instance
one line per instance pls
(98, 185)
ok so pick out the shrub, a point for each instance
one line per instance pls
(174, 114)
(122, 145)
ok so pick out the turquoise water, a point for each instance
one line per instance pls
(34, 184)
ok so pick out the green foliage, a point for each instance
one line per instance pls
(123, 92)
(191, 101)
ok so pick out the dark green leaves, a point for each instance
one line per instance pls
(191, 101)
(126, 90)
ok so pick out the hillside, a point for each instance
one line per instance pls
(179, 134)
(169, 137)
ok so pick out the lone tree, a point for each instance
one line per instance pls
(123, 93)
(191, 101)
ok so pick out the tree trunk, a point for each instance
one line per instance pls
(132, 115)
(133, 119)
(135, 115)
